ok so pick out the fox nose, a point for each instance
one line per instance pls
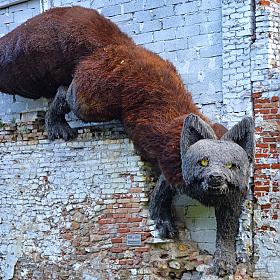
(215, 180)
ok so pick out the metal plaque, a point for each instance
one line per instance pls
(133, 240)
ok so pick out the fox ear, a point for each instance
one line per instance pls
(195, 129)
(243, 134)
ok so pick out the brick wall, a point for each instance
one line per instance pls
(67, 208)
(265, 78)
(238, 32)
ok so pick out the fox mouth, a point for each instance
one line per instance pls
(217, 184)
(218, 189)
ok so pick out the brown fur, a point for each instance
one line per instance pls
(40, 55)
(112, 79)
(129, 83)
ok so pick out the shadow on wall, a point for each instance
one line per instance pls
(199, 220)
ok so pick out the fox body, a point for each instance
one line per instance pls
(109, 77)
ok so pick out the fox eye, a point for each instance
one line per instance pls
(229, 165)
(204, 162)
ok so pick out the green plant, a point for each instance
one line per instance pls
(25, 130)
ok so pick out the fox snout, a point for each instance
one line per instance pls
(217, 183)
(216, 180)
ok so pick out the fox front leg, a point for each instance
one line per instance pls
(57, 126)
(227, 216)
(160, 208)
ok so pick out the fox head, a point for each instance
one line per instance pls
(215, 169)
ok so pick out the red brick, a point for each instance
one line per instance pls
(122, 220)
(123, 225)
(267, 206)
(261, 155)
(109, 211)
(132, 220)
(262, 166)
(261, 189)
(264, 177)
(135, 190)
(257, 106)
(136, 229)
(263, 134)
(129, 205)
(123, 200)
(275, 166)
(116, 250)
(121, 210)
(271, 105)
(265, 100)
(257, 95)
(262, 145)
(264, 2)
(142, 249)
(263, 111)
(135, 205)
(122, 262)
(116, 240)
(273, 111)
(269, 139)
(269, 117)
(133, 210)
(274, 134)
(123, 230)
(274, 155)
(274, 98)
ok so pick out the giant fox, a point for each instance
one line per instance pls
(109, 77)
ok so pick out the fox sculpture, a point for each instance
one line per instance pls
(109, 77)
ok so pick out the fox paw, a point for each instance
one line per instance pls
(60, 130)
(167, 230)
(224, 264)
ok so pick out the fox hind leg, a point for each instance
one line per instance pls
(56, 124)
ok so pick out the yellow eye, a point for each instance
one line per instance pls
(229, 165)
(204, 162)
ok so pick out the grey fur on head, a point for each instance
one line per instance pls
(227, 161)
